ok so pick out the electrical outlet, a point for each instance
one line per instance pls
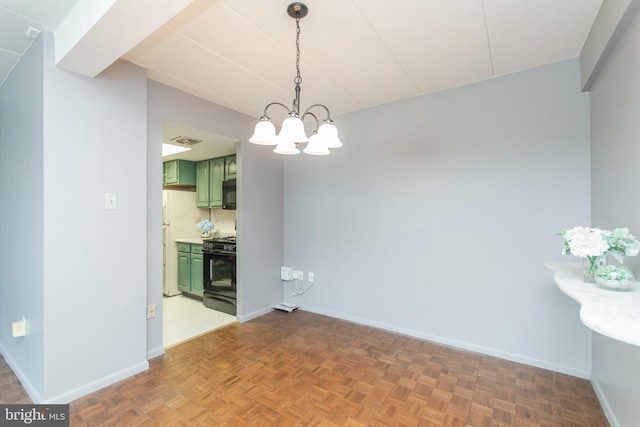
(286, 273)
(19, 329)
(310, 277)
(151, 311)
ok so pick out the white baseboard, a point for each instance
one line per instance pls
(604, 402)
(151, 354)
(257, 313)
(98, 384)
(568, 370)
(35, 396)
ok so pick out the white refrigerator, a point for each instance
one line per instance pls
(179, 218)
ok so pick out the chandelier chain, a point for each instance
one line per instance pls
(298, 79)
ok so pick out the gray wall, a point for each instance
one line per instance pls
(436, 217)
(75, 271)
(94, 259)
(259, 214)
(22, 218)
(615, 155)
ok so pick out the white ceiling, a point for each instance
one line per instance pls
(354, 53)
(17, 17)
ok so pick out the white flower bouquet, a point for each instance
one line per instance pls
(594, 243)
(584, 242)
(205, 226)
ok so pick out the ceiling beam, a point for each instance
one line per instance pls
(612, 21)
(96, 33)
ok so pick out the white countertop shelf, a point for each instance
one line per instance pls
(610, 313)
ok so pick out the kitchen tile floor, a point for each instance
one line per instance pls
(184, 318)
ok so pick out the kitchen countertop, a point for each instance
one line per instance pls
(194, 240)
(611, 313)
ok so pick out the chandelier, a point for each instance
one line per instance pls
(292, 133)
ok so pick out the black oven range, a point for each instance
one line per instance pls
(219, 259)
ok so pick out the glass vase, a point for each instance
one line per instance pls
(589, 266)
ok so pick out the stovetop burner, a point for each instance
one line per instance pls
(222, 244)
(227, 239)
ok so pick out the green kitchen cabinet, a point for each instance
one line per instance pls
(184, 271)
(209, 177)
(230, 167)
(190, 269)
(202, 184)
(216, 176)
(197, 279)
(179, 172)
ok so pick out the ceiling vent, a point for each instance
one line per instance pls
(185, 140)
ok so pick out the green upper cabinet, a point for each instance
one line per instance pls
(230, 167)
(209, 176)
(202, 184)
(179, 172)
(216, 176)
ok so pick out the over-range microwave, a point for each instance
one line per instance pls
(229, 194)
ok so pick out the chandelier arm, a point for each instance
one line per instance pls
(307, 113)
(274, 103)
(318, 105)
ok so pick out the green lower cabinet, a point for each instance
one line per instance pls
(184, 271)
(197, 279)
(190, 269)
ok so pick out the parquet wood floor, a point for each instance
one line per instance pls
(11, 391)
(304, 369)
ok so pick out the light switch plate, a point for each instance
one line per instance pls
(110, 202)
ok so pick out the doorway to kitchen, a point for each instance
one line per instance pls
(191, 214)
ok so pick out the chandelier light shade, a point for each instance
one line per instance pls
(265, 133)
(292, 132)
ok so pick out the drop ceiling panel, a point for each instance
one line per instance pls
(337, 42)
(7, 62)
(180, 58)
(242, 48)
(221, 30)
(13, 31)
(525, 34)
(198, 91)
(440, 44)
(47, 14)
